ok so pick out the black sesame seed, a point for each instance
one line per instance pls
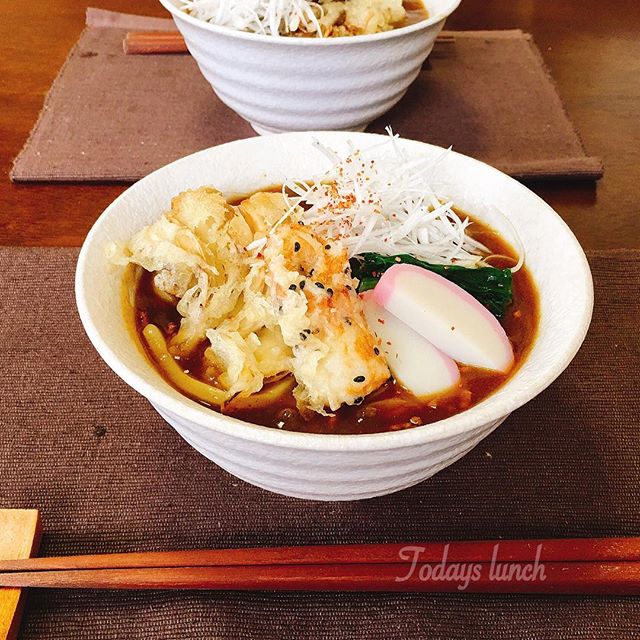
(319, 285)
(292, 287)
(327, 247)
(359, 379)
(296, 246)
(376, 351)
(307, 330)
(347, 321)
(311, 272)
(302, 283)
(303, 336)
(358, 400)
(330, 291)
(348, 287)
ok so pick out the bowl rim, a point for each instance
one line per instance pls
(484, 413)
(309, 42)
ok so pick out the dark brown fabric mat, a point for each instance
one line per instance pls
(110, 116)
(109, 475)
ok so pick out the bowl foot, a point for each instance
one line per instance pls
(267, 131)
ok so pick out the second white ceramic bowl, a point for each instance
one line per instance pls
(337, 467)
(298, 84)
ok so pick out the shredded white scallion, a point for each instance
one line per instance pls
(382, 203)
(267, 17)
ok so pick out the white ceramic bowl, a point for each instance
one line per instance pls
(337, 467)
(298, 84)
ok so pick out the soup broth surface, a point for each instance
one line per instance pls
(391, 407)
(416, 12)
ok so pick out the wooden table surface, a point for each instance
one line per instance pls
(591, 46)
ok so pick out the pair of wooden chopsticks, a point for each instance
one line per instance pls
(150, 42)
(572, 566)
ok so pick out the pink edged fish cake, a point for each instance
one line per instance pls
(446, 315)
(414, 362)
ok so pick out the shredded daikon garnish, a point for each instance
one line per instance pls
(379, 200)
(267, 17)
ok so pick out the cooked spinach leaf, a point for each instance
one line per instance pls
(491, 286)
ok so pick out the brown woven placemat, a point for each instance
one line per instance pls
(109, 475)
(110, 116)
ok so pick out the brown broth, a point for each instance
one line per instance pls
(416, 12)
(391, 407)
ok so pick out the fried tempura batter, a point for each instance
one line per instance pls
(292, 307)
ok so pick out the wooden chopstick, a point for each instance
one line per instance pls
(546, 550)
(561, 566)
(151, 42)
(148, 42)
(612, 578)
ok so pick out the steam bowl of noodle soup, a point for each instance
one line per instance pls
(325, 410)
(284, 83)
